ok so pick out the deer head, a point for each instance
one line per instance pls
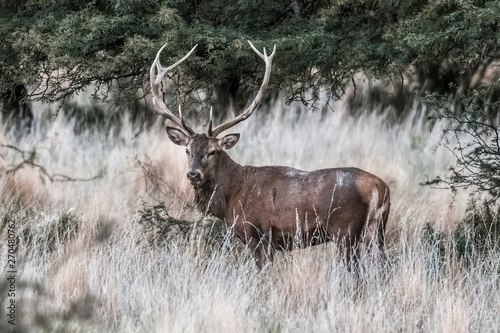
(203, 150)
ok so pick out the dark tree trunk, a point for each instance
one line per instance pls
(15, 110)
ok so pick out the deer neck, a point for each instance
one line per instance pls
(213, 196)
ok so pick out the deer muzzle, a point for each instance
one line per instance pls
(195, 177)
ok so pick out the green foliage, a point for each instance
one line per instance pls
(449, 29)
(58, 48)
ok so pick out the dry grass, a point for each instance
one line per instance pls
(104, 275)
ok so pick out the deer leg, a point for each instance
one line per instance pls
(380, 255)
(375, 241)
(262, 252)
(374, 233)
(349, 255)
(352, 260)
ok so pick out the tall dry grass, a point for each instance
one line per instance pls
(86, 264)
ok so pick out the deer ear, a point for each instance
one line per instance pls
(229, 141)
(177, 136)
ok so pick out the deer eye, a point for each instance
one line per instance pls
(210, 154)
(187, 151)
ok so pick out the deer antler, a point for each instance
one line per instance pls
(248, 112)
(161, 108)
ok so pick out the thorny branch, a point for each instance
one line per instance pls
(476, 148)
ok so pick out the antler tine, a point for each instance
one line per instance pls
(161, 108)
(256, 101)
(210, 123)
(263, 56)
(183, 122)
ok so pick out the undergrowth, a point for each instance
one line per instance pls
(126, 252)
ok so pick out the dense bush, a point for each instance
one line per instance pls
(109, 46)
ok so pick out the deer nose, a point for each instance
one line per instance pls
(193, 175)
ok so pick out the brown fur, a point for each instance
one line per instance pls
(278, 208)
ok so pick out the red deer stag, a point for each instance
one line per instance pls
(276, 207)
